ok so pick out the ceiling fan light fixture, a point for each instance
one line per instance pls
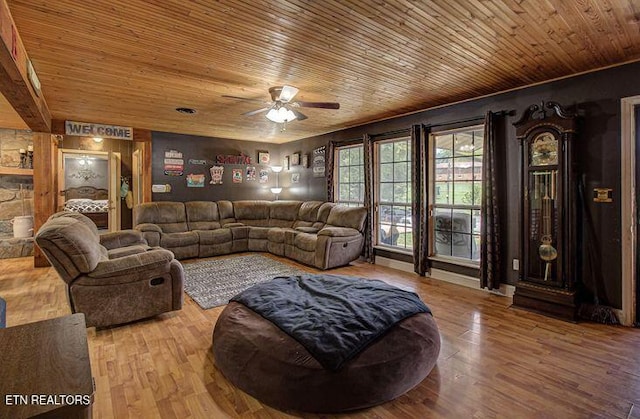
(280, 115)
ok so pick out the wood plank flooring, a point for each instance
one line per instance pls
(495, 361)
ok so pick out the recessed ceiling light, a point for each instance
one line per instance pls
(188, 111)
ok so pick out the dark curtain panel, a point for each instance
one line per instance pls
(490, 232)
(368, 197)
(330, 169)
(419, 198)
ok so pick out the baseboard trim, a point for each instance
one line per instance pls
(505, 290)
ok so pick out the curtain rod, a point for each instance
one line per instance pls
(477, 118)
(405, 131)
(459, 121)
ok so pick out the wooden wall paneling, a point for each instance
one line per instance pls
(377, 59)
(142, 142)
(45, 154)
(14, 76)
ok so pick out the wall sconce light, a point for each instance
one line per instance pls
(98, 140)
(276, 190)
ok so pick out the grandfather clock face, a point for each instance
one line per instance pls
(543, 150)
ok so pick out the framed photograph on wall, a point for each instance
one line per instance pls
(263, 157)
(295, 159)
(305, 160)
(318, 161)
(285, 163)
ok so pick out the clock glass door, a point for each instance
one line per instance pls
(543, 222)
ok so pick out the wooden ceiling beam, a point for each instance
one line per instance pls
(28, 102)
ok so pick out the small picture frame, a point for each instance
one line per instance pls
(263, 157)
(305, 160)
(285, 163)
(295, 159)
(295, 177)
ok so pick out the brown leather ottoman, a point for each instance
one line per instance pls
(262, 360)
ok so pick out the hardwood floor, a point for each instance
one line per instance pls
(495, 361)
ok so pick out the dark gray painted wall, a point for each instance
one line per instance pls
(596, 95)
(206, 148)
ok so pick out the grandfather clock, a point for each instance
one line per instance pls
(547, 134)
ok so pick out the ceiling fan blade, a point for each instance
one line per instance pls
(323, 105)
(248, 99)
(299, 115)
(287, 93)
(257, 111)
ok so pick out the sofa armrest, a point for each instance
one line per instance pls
(122, 239)
(311, 230)
(132, 265)
(234, 224)
(338, 232)
(148, 227)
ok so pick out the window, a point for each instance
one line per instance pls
(393, 193)
(456, 193)
(350, 179)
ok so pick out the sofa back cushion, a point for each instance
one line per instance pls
(169, 216)
(283, 213)
(352, 217)
(78, 216)
(252, 213)
(323, 214)
(71, 246)
(307, 214)
(202, 215)
(225, 209)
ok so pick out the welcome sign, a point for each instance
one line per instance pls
(98, 130)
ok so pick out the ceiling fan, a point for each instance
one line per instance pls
(282, 108)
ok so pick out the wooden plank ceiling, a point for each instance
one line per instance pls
(132, 62)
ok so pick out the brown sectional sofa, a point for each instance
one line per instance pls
(320, 234)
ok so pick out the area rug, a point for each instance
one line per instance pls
(212, 283)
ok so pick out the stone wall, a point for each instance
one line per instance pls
(16, 193)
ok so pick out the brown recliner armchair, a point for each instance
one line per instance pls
(112, 278)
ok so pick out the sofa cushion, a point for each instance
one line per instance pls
(259, 232)
(333, 231)
(343, 216)
(254, 213)
(202, 215)
(309, 210)
(307, 214)
(276, 235)
(119, 252)
(305, 241)
(169, 216)
(311, 230)
(71, 246)
(324, 211)
(323, 214)
(283, 213)
(207, 237)
(172, 240)
(78, 216)
(225, 210)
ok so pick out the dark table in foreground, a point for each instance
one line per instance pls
(45, 369)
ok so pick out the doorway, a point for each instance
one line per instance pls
(88, 183)
(636, 124)
(630, 176)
